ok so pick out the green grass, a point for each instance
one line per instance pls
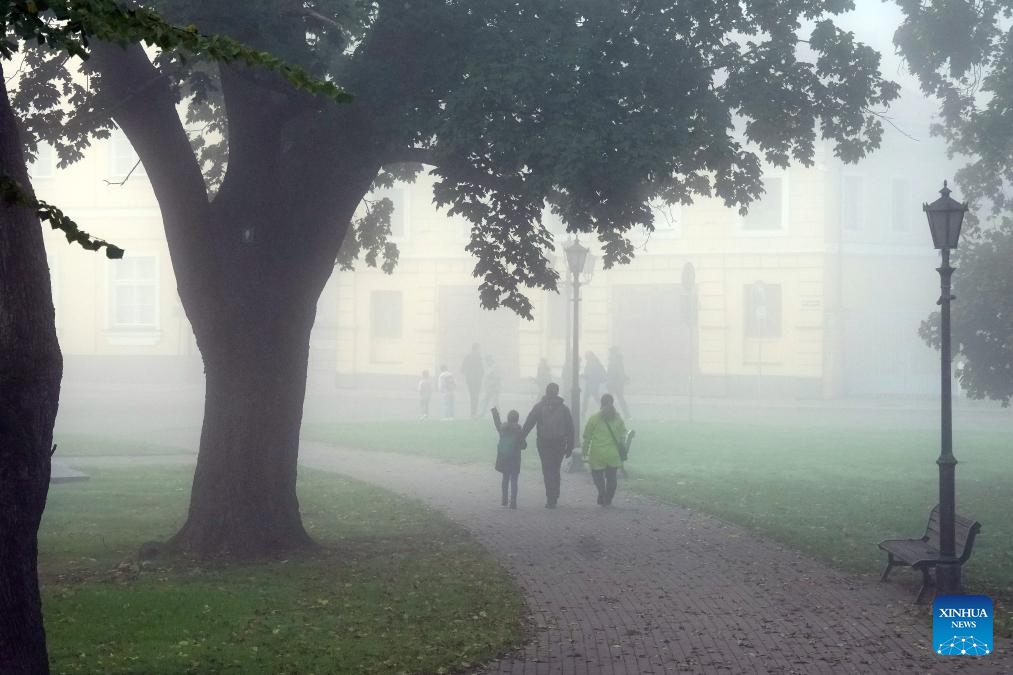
(394, 588)
(831, 492)
(85, 445)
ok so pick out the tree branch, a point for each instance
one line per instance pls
(159, 138)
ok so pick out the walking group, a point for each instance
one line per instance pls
(603, 447)
(481, 376)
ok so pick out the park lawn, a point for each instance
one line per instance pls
(831, 492)
(395, 587)
(87, 445)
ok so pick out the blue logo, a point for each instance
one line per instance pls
(962, 625)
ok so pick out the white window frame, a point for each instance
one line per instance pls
(401, 214)
(44, 166)
(112, 283)
(667, 221)
(740, 220)
(120, 150)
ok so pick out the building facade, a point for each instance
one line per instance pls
(817, 292)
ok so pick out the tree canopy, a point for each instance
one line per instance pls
(593, 108)
(962, 52)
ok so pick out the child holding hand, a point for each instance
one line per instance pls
(508, 453)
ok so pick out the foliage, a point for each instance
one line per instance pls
(66, 27)
(962, 51)
(982, 315)
(393, 588)
(595, 109)
(12, 192)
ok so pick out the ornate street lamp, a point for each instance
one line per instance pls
(581, 266)
(945, 216)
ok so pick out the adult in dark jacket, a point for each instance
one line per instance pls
(554, 438)
(473, 371)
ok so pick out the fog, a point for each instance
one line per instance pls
(805, 311)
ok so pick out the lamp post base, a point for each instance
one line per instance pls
(948, 580)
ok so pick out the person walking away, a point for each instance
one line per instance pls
(554, 438)
(603, 437)
(425, 394)
(492, 383)
(472, 370)
(445, 385)
(616, 379)
(508, 453)
(594, 378)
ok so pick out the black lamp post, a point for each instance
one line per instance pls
(945, 217)
(576, 258)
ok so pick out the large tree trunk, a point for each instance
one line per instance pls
(244, 500)
(250, 265)
(31, 368)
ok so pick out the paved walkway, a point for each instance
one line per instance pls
(645, 587)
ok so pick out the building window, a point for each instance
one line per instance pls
(762, 310)
(133, 293)
(767, 214)
(44, 164)
(399, 216)
(900, 210)
(667, 220)
(123, 161)
(385, 314)
(852, 203)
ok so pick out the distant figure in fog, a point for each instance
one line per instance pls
(554, 438)
(616, 379)
(602, 435)
(543, 377)
(445, 385)
(492, 383)
(425, 394)
(508, 454)
(594, 378)
(472, 370)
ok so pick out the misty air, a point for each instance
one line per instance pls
(525, 337)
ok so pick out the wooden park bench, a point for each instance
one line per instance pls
(923, 554)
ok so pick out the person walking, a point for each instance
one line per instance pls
(603, 448)
(425, 394)
(508, 454)
(554, 438)
(445, 385)
(473, 371)
(542, 377)
(616, 379)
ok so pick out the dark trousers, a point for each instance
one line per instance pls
(551, 454)
(605, 480)
(474, 387)
(510, 483)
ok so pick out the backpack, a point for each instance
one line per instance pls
(555, 423)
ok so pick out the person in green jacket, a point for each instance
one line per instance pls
(602, 435)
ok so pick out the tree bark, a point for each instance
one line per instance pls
(243, 503)
(31, 368)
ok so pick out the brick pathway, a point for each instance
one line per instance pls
(645, 587)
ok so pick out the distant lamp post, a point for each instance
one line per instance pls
(945, 216)
(581, 267)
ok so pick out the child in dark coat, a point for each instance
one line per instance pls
(508, 453)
